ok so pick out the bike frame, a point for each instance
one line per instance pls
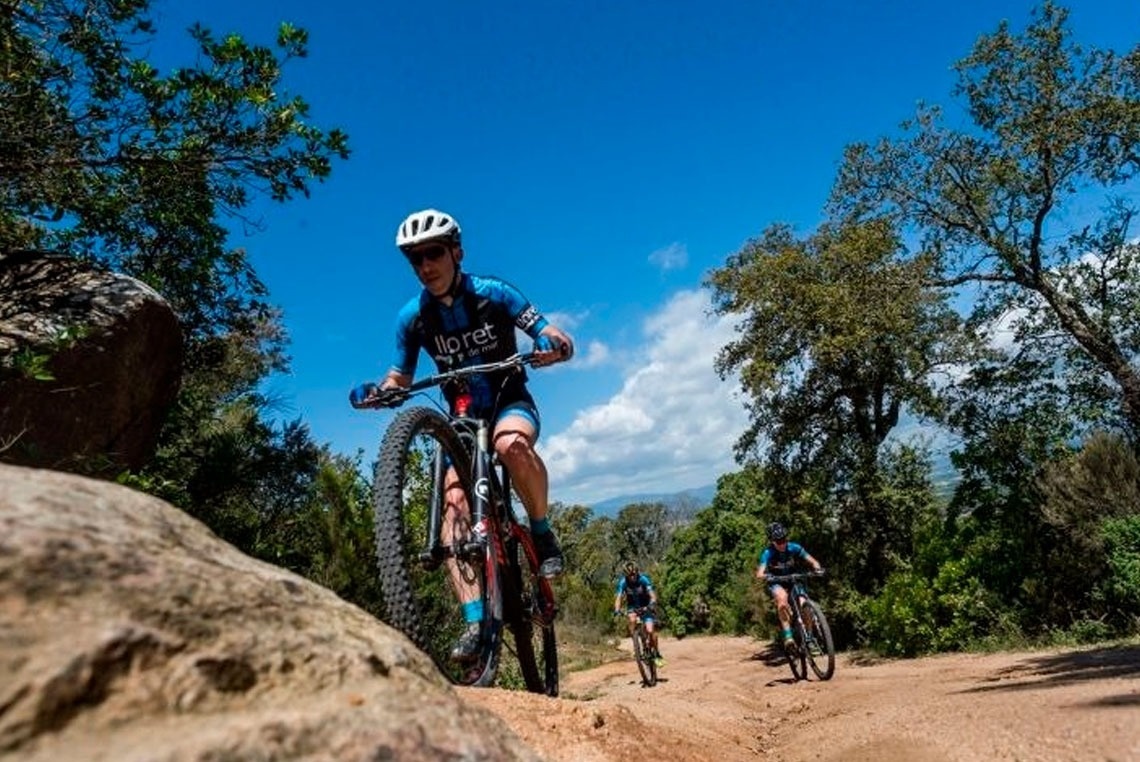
(492, 513)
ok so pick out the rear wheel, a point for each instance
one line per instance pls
(529, 602)
(820, 648)
(419, 581)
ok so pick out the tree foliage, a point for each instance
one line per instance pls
(1051, 124)
(110, 159)
(840, 335)
(107, 158)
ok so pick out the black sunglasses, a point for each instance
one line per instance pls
(434, 253)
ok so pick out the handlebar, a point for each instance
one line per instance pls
(794, 577)
(396, 396)
(640, 610)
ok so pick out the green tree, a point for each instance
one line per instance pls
(585, 591)
(1086, 497)
(841, 335)
(106, 158)
(713, 559)
(641, 533)
(1052, 123)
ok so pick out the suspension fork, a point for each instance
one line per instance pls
(435, 507)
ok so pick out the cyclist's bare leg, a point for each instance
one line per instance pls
(514, 442)
(651, 629)
(456, 525)
(780, 596)
(806, 612)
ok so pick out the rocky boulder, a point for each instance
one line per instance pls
(128, 631)
(90, 361)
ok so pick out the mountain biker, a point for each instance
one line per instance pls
(461, 319)
(781, 556)
(637, 589)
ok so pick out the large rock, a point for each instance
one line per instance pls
(114, 350)
(129, 632)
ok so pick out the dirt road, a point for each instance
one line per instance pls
(727, 699)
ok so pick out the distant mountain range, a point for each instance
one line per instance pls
(943, 476)
(695, 498)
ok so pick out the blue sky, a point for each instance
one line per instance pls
(601, 156)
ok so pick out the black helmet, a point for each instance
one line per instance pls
(776, 532)
(630, 569)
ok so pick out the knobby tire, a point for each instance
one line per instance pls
(645, 664)
(797, 654)
(529, 608)
(823, 663)
(418, 599)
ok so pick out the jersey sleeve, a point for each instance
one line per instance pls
(648, 583)
(407, 342)
(764, 555)
(526, 316)
(620, 586)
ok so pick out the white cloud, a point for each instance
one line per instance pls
(672, 425)
(596, 354)
(567, 321)
(672, 257)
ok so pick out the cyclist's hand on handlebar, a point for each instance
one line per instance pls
(362, 395)
(549, 349)
(370, 395)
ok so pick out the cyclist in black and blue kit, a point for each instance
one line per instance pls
(781, 556)
(459, 320)
(640, 601)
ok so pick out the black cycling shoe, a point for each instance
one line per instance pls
(549, 554)
(467, 646)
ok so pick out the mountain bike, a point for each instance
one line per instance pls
(812, 644)
(426, 456)
(642, 647)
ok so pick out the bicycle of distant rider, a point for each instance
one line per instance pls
(422, 558)
(812, 635)
(643, 652)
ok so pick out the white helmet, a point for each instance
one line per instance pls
(426, 225)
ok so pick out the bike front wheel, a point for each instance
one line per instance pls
(820, 648)
(644, 657)
(428, 571)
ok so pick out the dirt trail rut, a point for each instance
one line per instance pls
(727, 699)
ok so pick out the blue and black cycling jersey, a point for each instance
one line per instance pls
(637, 594)
(477, 327)
(784, 561)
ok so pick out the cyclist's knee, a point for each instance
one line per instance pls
(515, 449)
(455, 500)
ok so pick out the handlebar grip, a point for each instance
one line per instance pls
(370, 395)
(361, 396)
(546, 344)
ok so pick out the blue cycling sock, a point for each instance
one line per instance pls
(787, 634)
(473, 611)
(540, 526)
